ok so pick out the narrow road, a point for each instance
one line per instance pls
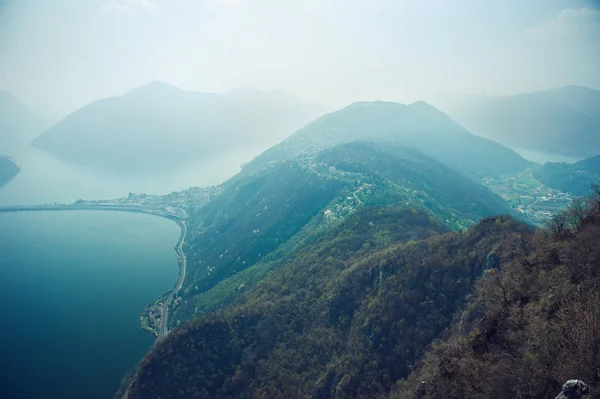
(164, 317)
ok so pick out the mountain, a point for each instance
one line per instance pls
(259, 220)
(560, 121)
(530, 325)
(17, 124)
(346, 317)
(296, 249)
(8, 169)
(389, 304)
(419, 126)
(160, 125)
(574, 178)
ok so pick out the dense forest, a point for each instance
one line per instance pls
(390, 304)
(269, 215)
(348, 316)
(529, 325)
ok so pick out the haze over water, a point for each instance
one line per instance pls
(46, 179)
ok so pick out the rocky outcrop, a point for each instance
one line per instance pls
(573, 389)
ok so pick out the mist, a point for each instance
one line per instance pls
(57, 56)
(299, 198)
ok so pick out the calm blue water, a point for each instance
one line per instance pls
(72, 286)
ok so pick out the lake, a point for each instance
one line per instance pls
(46, 179)
(544, 157)
(73, 285)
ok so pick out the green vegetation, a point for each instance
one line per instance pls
(389, 304)
(574, 178)
(257, 222)
(350, 313)
(8, 169)
(528, 197)
(530, 325)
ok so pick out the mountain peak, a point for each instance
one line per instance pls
(155, 86)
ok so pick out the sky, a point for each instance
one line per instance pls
(58, 55)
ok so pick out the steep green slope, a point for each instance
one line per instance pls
(574, 178)
(419, 126)
(346, 317)
(445, 192)
(531, 325)
(8, 169)
(260, 220)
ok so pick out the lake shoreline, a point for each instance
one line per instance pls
(100, 272)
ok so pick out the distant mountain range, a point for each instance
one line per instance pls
(160, 125)
(18, 125)
(574, 178)
(419, 126)
(561, 121)
(8, 169)
(334, 260)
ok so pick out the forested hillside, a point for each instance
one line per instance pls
(347, 317)
(388, 304)
(530, 325)
(574, 178)
(266, 217)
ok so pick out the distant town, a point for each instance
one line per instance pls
(180, 203)
(527, 196)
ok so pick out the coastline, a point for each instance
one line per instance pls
(163, 332)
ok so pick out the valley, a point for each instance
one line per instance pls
(227, 199)
(528, 197)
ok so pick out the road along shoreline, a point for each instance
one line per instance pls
(131, 209)
(164, 331)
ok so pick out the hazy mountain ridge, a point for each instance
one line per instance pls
(575, 178)
(562, 121)
(18, 125)
(159, 125)
(419, 126)
(8, 169)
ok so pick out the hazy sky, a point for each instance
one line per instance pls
(57, 55)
